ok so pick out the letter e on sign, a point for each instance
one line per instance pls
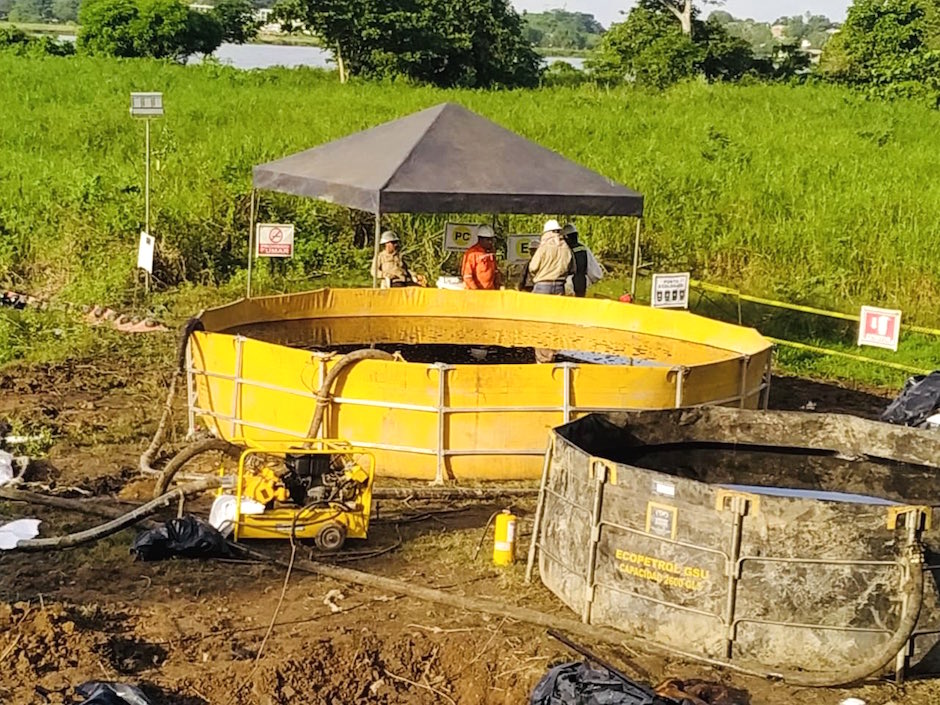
(879, 328)
(520, 248)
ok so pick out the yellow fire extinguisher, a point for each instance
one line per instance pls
(504, 538)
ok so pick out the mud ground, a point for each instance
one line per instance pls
(194, 632)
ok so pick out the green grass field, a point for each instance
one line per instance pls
(809, 194)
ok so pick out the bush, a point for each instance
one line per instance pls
(18, 42)
(158, 29)
(889, 48)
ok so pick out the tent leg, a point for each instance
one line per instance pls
(375, 254)
(251, 238)
(636, 258)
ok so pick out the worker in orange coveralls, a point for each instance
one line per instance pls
(479, 262)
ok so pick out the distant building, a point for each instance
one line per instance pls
(778, 30)
(263, 14)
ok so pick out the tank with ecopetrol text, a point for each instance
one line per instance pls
(798, 544)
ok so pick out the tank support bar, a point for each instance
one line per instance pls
(539, 508)
(599, 468)
(568, 408)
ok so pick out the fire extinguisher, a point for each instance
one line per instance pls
(504, 538)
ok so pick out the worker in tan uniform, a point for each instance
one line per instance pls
(549, 267)
(551, 263)
(389, 267)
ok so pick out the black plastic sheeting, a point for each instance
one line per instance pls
(919, 400)
(187, 537)
(579, 684)
(101, 693)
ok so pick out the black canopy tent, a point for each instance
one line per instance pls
(444, 159)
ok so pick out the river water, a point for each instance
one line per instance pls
(264, 56)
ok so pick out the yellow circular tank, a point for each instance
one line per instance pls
(257, 365)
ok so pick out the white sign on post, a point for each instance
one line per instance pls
(147, 104)
(879, 328)
(520, 248)
(460, 236)
(145, 253)
(274, 240)
(670, 290)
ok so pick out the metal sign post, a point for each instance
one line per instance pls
(636, 257)
(147, 106)
(251, 238)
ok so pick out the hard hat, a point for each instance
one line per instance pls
(485, 231)
(388, 236)
(551, 225)
(569, 229)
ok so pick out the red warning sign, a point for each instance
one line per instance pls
(275, 240)
(879, 328)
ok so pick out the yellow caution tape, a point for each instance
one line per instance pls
(796, 307)
(850, 356)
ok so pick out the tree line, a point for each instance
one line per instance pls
(887, 47)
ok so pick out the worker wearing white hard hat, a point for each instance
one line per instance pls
(551, 263)
(478, 268)
(389, 267)
(548, 269)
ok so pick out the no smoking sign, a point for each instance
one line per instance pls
(275, 240)
(879, 327)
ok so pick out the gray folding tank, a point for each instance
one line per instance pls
(801, 545)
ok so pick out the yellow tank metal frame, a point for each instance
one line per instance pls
(255, 369)
(298, 522)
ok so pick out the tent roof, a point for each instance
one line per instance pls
(446, 159)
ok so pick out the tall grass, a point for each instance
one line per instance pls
(806, 193)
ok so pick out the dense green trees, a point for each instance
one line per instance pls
(39, 10)
(650, 48)
(888, 47)
(30, 11)
(160, 29)
(562, 29)
(467, 43)
(65, 10)
(237, 20)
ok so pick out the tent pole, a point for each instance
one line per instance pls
(375, 254)
(636, 257)
(251, 238)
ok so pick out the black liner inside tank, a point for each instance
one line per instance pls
(819, 470)
(494, 355)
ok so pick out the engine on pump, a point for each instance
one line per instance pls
(321, 478)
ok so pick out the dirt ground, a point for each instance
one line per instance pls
(196, 632)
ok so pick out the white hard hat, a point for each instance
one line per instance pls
(388, 236)
(569, 229)
(485, 231)
(551, 225)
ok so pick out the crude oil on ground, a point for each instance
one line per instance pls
(193, 632)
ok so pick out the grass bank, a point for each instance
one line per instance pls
(803, 193)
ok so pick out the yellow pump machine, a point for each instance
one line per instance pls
(319, 490)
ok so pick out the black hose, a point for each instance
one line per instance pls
(215, 444)
(188, 453)
(324, 395)
(122, 522)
